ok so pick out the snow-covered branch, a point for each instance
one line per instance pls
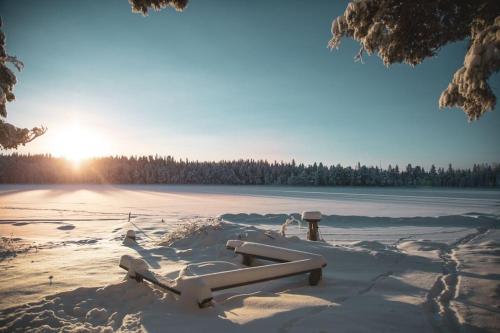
(10, 135)
(469, 89)
(142, 6)
(410, 31)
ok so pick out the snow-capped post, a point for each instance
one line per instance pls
(131, 235)
(312, 218)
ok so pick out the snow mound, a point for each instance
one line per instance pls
(422, 245)
(207, 267)
(199, 229)
(213, 232)
(106, 309)
(490, 244)
(370, 245)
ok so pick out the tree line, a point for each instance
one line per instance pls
(41, 169)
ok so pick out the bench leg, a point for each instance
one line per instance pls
(315, 277)
(247, 260)
(205, 303)
(137, 278)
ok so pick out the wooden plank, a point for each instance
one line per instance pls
(156, 280)
(261, 280)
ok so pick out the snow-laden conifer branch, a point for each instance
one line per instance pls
(10, 135)
(142, 6)
(411, 31)
(469, 89)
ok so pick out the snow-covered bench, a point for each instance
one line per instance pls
(199, 288)
(250, 250)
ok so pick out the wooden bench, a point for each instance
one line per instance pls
(250, 250)
(289, 263)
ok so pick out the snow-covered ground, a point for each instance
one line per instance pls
(398, 259)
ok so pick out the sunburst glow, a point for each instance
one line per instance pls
(77, 143)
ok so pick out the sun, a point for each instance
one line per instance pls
(77, 143)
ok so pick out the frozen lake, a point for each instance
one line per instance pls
(170, 201)
(352, 213)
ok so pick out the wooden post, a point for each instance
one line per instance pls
(315, 276)
(313, 230)
(131, 234)
(247, 260)
(312, 219)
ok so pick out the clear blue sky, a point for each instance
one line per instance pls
(229, 80)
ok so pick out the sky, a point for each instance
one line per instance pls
(230, 80)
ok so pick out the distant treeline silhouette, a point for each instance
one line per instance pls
(36, 169)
